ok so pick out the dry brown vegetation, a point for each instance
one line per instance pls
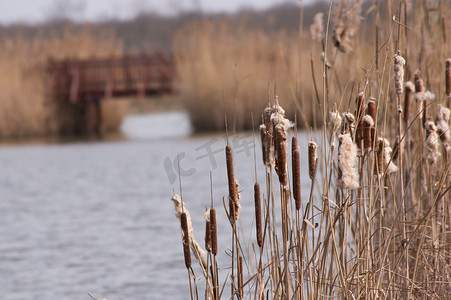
(23, 109)
(377, 221)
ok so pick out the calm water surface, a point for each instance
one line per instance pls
(96, 217)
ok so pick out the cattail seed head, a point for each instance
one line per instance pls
(296, 169)
(233, 192)
(207, 231)
(371, 109)
(348, 123)
(258, 214)
(398, 72)
(409, 89)
(213, 232)
(334, 121)
(266, 145)
(389, 164)
(432, 143)
(368, 124)
(448, 77)
(348, 177)
(359, 113)
(316, 29)
(185, 239)
(281, 154)
(312, 159)
(443, 128)
(378, 166)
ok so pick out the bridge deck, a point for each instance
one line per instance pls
(80, 80)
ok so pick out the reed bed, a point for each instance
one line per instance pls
(24, 110)
(377, 221)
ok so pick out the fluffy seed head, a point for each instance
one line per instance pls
(312, 158)
(348, 177)
(334, 121)
(432, 143)
(316, 29)
(398, 72)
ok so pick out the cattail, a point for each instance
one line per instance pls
(443, 128)
(258, 215)
(296, 169)
(266, 145)
(334, 121)
(312, 159)
(371, 109)
(180, 208)
(281, 154)
(233, 192)
(419, 93)
(316, 29)
(432, 143)
(368, 125)
(379, 157)
(213, 232)
(348, 125)
(348, 177)
(185, 239)
(359, 113)
(390, 166)
(207, 231)
(398, 72)
(448, 77)
(409, 90)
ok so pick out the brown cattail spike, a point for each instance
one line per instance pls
(233, 193)
(185, 239)
(213, 232)
(312, 159)
(371, 109)
(448, 77)
(281, 154)
(296, 169)
(258, 215)
(409, 89)
(379, 158)
(266, 145)
(359, 113)
(207, 231)
(368, 124)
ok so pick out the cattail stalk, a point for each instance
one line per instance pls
(258, 215)
(312, 159)
(296, 170)
(448, 77)
(281, 154)
(207, 231)
(266, 145)
(233, 193)
(185, 239)
(359, 113)
(409, 90)
(368, 125)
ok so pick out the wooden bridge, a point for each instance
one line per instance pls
(84, 83)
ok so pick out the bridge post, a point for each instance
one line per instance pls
(93, 116)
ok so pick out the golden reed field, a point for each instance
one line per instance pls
(377, 221)
(23, 109)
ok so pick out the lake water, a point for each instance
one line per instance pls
(96, 217)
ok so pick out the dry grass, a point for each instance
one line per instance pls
(23, 111)
(377, 221)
